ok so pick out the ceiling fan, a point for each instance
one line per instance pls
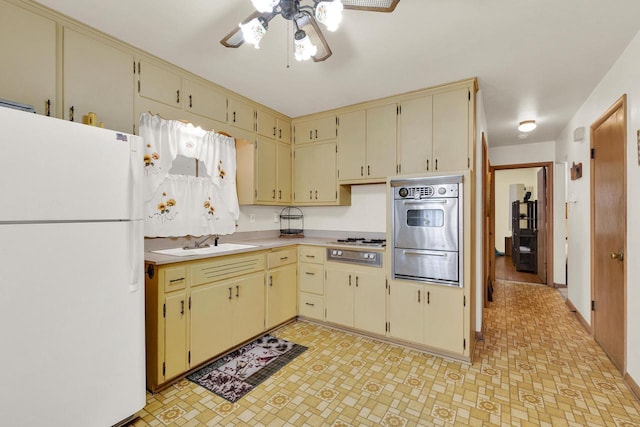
(308, 39)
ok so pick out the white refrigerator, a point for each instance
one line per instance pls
(71, 268)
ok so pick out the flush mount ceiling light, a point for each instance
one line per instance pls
(527, 125)
(308, 39)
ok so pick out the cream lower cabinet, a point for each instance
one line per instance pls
(355, 297)
(282, 290)
(196, 310)
(428, 314)
(28, 51)
(311, 282)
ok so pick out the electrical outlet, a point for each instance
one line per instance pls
(275, 217)
(252, 217)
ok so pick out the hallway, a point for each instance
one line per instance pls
(535, 367)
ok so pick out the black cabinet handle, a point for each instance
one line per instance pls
(361, 170)
(72, 110)
(308, 273)
(190, 101)
(178, 96)
(280, 133)
(357, 278)
(179, 279)
(229, 293)
(237, 291)
(349, 280)
(274, 131)
(279, 194)
(234, 117)
(428, 297)
(418, 295)
(310, 135)
(47, 107)
(309, 304)
(182, 307)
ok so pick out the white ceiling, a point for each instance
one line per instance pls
(533, 58)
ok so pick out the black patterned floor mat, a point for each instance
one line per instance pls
(234, 375)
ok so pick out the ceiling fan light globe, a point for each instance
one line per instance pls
(329, 13)
(303, 47)
(265, 6)
(253, 31)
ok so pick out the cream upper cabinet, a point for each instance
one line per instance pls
(266, 124)
(315, 178)
(415, 135)
(205, 100)
(451, 129)
(284, 130)
(444, 319)
(241, 115)
(28, 51)
(97, 78)
(264, 172)
(316, 130)
(159, 84)
(352, 141)
(381, 141)
(367, 144)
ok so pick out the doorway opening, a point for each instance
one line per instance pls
(520, 218)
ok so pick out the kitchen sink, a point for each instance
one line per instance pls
(220, 249)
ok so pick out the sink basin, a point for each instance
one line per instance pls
(220, 249)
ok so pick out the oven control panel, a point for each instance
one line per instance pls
(373, 259)
(426, 191)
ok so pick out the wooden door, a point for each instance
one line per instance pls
(608, 220)
(541, 225)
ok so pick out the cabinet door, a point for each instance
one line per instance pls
(284, 131)
(175, 335)
(159, 84)
(248, 309)
(28, 51)
(406, 312)
(205, 101)
(325, 129)
(281, 295)
(325, 173)
(211, 310)
(97, 78)
(283, 173)
(338, 289)
(241, 115)
(304, 173)
(415, 133)
(370, 302)
(303, 132)
(381, 141)
(451, 130)
(352, 138)
(266, 124)
(444, 318)
(265, 170)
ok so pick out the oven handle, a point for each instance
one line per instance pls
(423, 202)
(425, 253)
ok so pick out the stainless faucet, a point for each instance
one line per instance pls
(202, 244)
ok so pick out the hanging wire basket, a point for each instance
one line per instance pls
(291, 222)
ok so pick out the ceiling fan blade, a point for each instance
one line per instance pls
(309, 25)
(371, 5)
(235, 38)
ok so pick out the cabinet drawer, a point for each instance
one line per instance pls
(175, 278)
(284, 257)
(225, 268)
(312, 254)
(311, 278)
(311, 306)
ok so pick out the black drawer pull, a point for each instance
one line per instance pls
(180, 279)
(309, 304)
(310, 273)
(284, 258)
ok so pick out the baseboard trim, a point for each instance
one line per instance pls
(559, 285)
(581, 319)
(635, 388)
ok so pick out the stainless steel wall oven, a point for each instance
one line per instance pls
(427, 229)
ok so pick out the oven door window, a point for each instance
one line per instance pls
(425, 218)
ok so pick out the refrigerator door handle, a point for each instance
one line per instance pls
(135, 249)
(135, 178)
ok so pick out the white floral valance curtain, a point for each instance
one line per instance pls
(179, 205)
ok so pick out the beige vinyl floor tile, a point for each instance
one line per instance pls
(535, 367)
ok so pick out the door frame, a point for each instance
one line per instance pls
(549, 216)
(620, 103)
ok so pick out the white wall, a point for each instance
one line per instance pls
(560, 177)
(504, 178)
(481, 127)
(522, 153)
(367, 213)
(621, 79)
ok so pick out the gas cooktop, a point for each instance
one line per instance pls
(361, 241)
